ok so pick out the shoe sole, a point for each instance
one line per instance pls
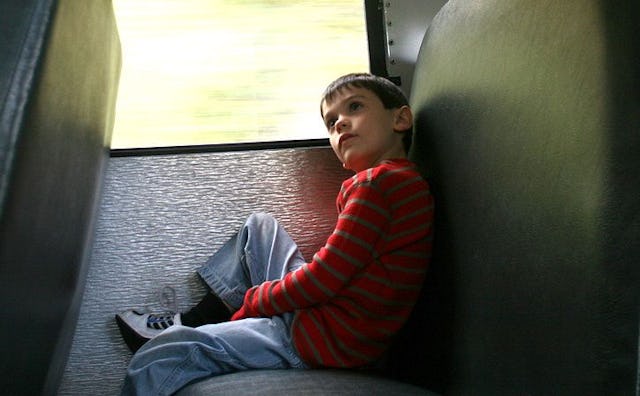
(131, 338)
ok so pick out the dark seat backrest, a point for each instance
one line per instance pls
(527, 120)
(59, 63)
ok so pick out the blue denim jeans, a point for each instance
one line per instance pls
(260, 251)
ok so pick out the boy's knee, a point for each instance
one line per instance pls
(261, 219)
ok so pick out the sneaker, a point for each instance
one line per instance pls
(138, 328)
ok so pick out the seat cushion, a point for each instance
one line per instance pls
(300, 382)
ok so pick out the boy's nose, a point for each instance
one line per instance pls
(342, 124)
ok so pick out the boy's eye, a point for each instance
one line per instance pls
(355, 106)
(331, 123)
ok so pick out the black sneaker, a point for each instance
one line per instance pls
(138, 328)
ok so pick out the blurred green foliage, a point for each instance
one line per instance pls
(207, 71)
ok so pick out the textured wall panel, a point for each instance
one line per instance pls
(163, 216)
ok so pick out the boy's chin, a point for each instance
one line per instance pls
(353, 168)
(346, 164)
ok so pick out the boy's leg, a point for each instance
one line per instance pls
(181, 354)
(262, 250)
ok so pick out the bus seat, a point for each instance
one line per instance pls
(527, 116)
(59, 65)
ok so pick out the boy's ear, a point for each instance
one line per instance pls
(403, 119)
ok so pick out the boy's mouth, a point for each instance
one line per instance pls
(345, 137)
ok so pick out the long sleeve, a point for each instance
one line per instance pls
(364, 217)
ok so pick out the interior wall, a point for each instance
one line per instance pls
(161, 217)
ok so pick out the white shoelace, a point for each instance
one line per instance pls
(167, 298)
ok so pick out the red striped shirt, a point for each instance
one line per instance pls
(359, 289)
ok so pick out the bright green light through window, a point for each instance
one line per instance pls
(207, 71)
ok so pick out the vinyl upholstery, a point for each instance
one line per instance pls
(527, 122)
(59, 65)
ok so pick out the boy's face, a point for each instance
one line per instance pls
(362, 132)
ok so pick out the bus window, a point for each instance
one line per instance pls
(218, 71)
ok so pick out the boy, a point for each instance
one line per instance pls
(268, 307)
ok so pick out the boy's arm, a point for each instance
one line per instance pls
(365, 217)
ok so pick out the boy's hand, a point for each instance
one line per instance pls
(245, 310)
(240, 314)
